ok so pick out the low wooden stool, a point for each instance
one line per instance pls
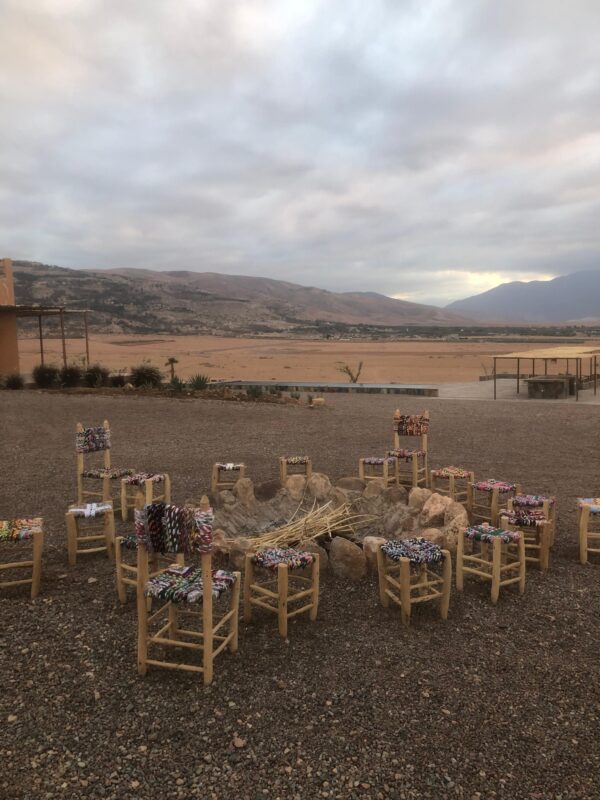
(260, 593)
(132, 485)
(294, 465)
(411, 466)
(233, 473)
(18, 531)
(486, 508)
(588, 508)
(410, 579)
(455, 482)
(373, 468)
(536, 501)
(506, 559)
(101, 516)
(536, 530)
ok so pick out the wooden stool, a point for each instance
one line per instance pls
(87, 442)
(410, 579)
(506, 559)
(373, 468)
(536, 530)
(16, 532)
(294, 465)
(588, 508)
(536, 501)
(455, 482)
(486, 509)
(101, 517)
(132, 485)
(225, 476)
(413, 469)
(281, 561)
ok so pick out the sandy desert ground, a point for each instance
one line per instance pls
(497, 702)
(279, 359)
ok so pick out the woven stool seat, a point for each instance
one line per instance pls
(402, 452)
(377, 460)
(272, 557)
(593, 503)
(525, 519)
(20, 530)
(490, 484)
(451, 472)
(90, 510)
(291, 460)
(417, 550)
(140, 478)
(229, 466)
(488, 533)
(181, 584)
(113, 473)
(531, 500)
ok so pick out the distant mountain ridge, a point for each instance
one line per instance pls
(574, 297)
(184, 302)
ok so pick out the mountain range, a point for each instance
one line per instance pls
(182, 302)
(572, 298)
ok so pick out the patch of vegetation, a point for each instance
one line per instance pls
(176, 385)
(46, 376)
(254, 392)
(96, 376)
(70, 376)
(14, 381)
(353, 376)
(147, 376)
(117, 381)
(198, 382)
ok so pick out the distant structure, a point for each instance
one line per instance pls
(10, 312)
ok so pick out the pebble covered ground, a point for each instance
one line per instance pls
(494, 703)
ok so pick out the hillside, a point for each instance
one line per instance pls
(182, 302)
(569, 297)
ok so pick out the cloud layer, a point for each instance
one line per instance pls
(425, 149)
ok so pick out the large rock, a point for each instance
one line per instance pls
(456, 520)
(319, 486)
(454, 510)
(244, 491)
(374, 488)
(351, 484)
(313, 547)
(347, 559)
(394, 495)
(432, 513)
(398, 519)
(417, 497)
(296, 486)
(338, 497)
(371, 545)
(266, 490)
(237, 553)
(434, 535)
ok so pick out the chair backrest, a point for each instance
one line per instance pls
(164, 528)
(92, 440)
(411, 425)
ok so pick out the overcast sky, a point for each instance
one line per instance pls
(426, 150)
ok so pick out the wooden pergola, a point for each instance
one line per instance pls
(581, 358)
(61, 312)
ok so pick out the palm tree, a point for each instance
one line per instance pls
(171, 363)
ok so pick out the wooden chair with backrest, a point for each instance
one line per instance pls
(168, 529)
(87, 442)
(534, 517)
(413, 469)
(17, 533)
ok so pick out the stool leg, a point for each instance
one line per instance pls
(470, 501)
(584, 519)
(460, 551)
(248, 581)
(71, 539)
(447, 576)
(383, 598)
(207, 622)
(109, 534)
(494, 507)
(545, 534)
(415, 471)
(316, 567)
(234, 624)
(124, 506)
(282, 591)
(522, 565)
(36, 576)
(405, 590)
(142, 615)
(149, 491)
(121, 594)
(167, 488)
(496, 563)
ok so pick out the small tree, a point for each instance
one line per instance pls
(353, 377)
(171, 363)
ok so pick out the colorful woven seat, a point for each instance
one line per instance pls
(451, 472)
(377, 460)
(183, 584)
(20, 530)
(140, 478)
(490, 484)
(272, 557)
(92, 440)
(91, 510)
(229, 466)
(525, 519)
(294, 465)
(112, 473)
(296, 459)
(405, 453)
(531, 500)
(488, 533)
(225, 475)
(593, 503)
(417, 550)
(17, 531)
(411, 462)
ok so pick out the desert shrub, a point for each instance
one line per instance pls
(46, 376)
(309, 398)
(14, 381)
(96, 376)
(295, 395)
(176, 385)
(146, 375)
(198, 381)
(254, 392)
(70, 376)
(117, 381)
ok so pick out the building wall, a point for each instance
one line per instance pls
(9, 349)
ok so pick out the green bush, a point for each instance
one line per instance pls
(146, 375)
(117, 381)
(46, 376)
(176, 385)
(198, 381)
(70, 376)
(254, 392)
(14, 381)
(96, 376)
(295, 395)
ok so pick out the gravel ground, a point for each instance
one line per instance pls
(494, 703)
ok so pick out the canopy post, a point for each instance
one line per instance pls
(494, 377)
(518, 375)
(545, 366)
(533, 367)
(595, 375)
(577, 372)
(62, 334)
(41, 339)
(87, 339)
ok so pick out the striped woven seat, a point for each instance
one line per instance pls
(377, 460)
(405, 453)
(488, 533)
(451, 472)
(272, 557)
(113, 473)
(525, 518)
(140, 478)
(490, 484)
(183, 584)
(531, 500)
(20, 530)
(592, 502)
(417, 550)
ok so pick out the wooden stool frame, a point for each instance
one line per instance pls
(131, 494)
(82, 493)
(413, 475)
(379, 472)
(486, 512)
(589, 539)
(261, 593)
(285, 469)
(399, 583)
(506, 559)
(217, 484)
(105, 520)
(453, 486)
(537, 538)
(126, 573)
(35, 564)
(549, 509)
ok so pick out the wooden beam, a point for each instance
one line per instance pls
(87, 339)
(595, 375)
(577, 372)
(518, 375)
(62, 334)
(545, 366)
(494, 377)
(41, 338)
